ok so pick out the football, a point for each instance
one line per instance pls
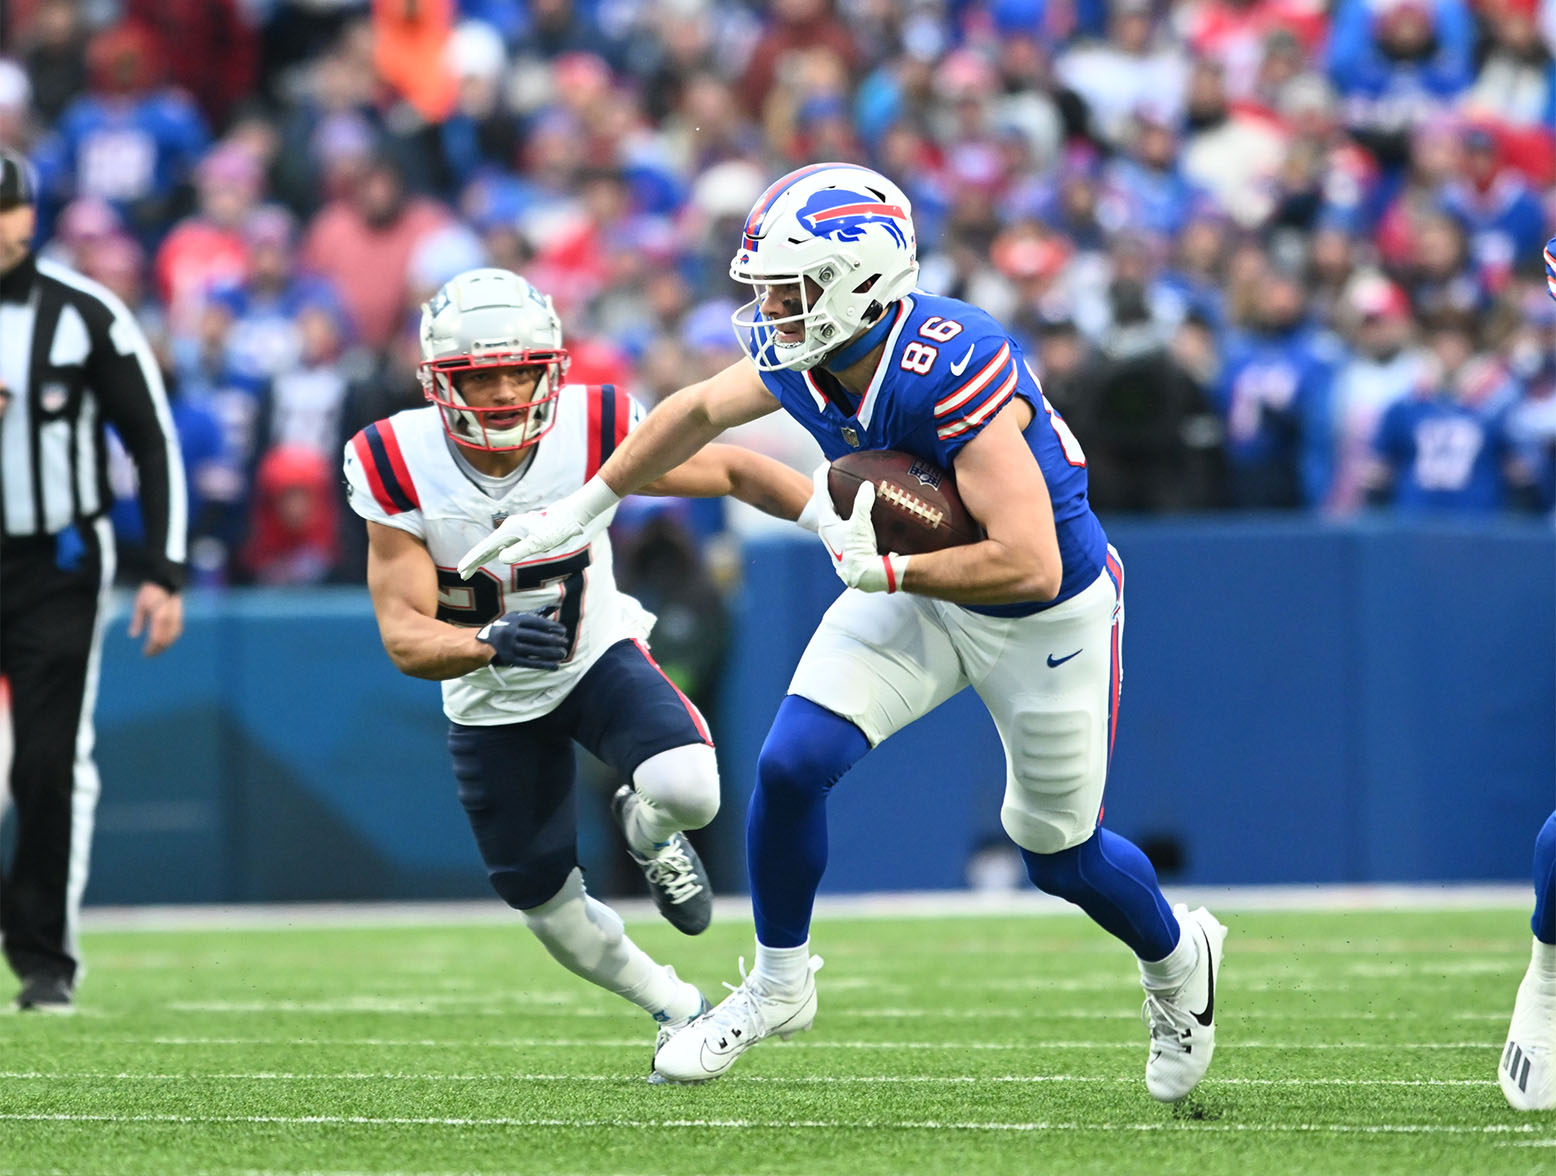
(917, 508)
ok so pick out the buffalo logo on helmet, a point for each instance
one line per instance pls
(841, 214)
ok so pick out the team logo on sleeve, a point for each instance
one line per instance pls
(843, 215)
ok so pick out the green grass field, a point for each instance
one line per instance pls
(1348, 1043)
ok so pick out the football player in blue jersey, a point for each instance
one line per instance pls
(1528, 1067)
(1031, 616)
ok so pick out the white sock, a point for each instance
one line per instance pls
(783, 969)
(586, 937)
(1543, 961)
(666, 997)
(1172, 971)
(649, 828)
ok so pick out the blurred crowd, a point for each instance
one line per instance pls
(1264, 254)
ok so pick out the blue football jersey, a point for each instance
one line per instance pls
(1447, 455)
(947, 369)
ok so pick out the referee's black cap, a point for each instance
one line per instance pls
(16, 186)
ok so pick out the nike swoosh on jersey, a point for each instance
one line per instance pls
(960, 365)
(1059, 661)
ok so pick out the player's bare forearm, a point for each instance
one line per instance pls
(683, 423)
(421, 647)
(753, 478)
(402, 580)
(1001, 484)
(988, 572)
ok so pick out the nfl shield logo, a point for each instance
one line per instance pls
(850, 436)
(499, 519)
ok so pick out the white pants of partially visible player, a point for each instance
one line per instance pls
(1050, 681)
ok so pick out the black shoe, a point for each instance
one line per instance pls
(46, 994)
(675, 875)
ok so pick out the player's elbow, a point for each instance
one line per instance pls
(1039, 571)
(1043, 580)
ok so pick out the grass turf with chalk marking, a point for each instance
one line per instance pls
(1361, 1042)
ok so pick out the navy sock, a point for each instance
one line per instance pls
(1110, 879)
(1544, 921)
(807, 751)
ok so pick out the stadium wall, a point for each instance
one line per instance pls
(1303, 702)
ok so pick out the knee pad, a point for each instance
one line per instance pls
(682, 783)
(578, 932)
(534, 883)
(1049, 803)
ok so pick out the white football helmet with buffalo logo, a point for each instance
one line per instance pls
(846, 228)
(491, 318)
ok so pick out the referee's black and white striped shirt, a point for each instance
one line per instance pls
(73, 359)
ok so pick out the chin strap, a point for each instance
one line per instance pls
(857, 348)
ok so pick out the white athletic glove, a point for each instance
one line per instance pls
(537, 532)
(851, 541)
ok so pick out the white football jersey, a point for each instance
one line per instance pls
(402, 473)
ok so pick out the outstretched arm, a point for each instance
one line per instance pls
(717, 470)
(668, 436)
(683, 423)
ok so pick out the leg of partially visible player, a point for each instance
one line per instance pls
(1051, 682)
(515, 783)
(875, 664)
(634, 718)
(1528, 1068)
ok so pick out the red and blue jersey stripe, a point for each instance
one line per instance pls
(388, 477)
(610, 417)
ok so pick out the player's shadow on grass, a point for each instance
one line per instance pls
(1197, 1108)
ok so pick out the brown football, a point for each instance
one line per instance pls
(917, 508)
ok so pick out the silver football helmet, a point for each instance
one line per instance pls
(491, 318)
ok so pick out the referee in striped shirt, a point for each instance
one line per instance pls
(72, 360)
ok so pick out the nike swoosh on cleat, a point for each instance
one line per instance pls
(1059, 661)
(960, 365)
(1205, 1018)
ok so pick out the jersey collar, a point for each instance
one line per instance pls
(888, 328)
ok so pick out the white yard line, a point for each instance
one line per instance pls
(633, 1042)
(813, 1080)
(1167, 1125)
(959, 903)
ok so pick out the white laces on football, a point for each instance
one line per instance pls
(671, 870)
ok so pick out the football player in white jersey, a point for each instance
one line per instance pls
(537, 656)
(1031, 616)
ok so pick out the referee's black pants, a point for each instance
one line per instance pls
(53, 592)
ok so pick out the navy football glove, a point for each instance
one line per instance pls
(528, 639)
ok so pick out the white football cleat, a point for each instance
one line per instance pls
(709, 1046)
(669, 1029)
(1528, 1068)
(1183, 1021)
